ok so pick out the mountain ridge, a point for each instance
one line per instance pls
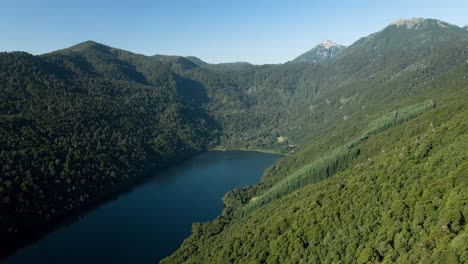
(411, 23)
(100, 113)
(398, 66)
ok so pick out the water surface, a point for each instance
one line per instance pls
(152, 220)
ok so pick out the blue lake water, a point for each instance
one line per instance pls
(151, 221)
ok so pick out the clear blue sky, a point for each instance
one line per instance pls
(257, 31)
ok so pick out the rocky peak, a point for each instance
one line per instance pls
(325, 51)
(416, 23)
(329, 44)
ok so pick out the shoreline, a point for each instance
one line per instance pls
(33, 235)
(147, 173)
(268, 151)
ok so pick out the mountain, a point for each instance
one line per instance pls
(324, 51)
(82, 124)
(392, 204)
(358, 189)
(366, 136)
(466, 27)
(399, 45)
(83, 46)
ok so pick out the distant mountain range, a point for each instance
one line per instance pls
(80, 124)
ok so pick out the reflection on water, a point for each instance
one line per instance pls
(151, 220)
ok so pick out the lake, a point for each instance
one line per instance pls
(151, 221)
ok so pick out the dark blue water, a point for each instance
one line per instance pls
(151, 221)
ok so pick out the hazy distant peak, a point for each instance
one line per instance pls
(415, 23)
(86, 44)
(325, 51)
(409, 23)
(328, 44)
(466, 27)
(89, 42)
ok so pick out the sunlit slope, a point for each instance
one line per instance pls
(404, 199)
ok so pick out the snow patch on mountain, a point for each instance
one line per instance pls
(325, 51)
(328, 44)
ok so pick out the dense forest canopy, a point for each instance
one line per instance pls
(74, 130)
(82, 123)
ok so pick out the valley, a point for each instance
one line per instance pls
(374, 139)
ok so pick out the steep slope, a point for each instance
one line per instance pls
(301, 102)
(79, 125)
(402, 201)
(381, 70)
(325, 51)
(400, 44)
(404, 64)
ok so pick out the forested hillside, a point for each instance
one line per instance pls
(76, 128)
(402, 200)
(364, 133)
(304, 102)
(363, 187)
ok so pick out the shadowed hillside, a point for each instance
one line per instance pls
(364, 129)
